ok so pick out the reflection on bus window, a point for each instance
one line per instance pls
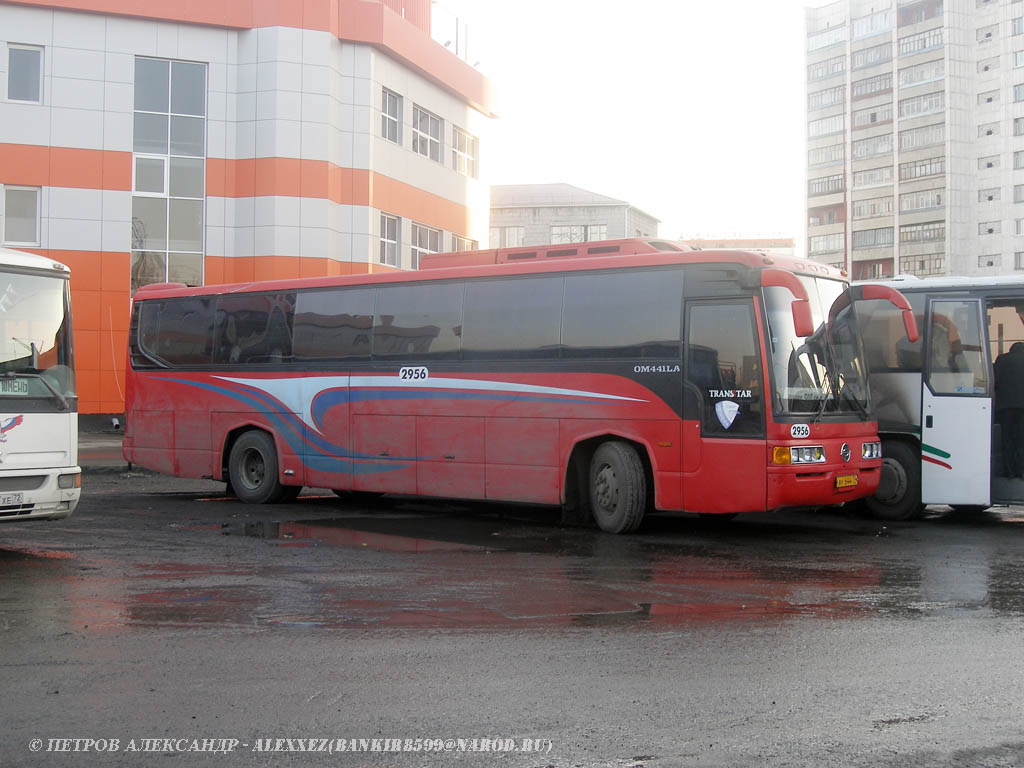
(34, 332)
(254, 328)
(955, 355)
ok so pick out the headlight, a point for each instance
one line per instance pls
(69, 481)
(871, 451)
(802, 454)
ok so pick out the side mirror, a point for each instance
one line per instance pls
(780, 278)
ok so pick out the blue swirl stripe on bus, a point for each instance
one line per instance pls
(339, 460)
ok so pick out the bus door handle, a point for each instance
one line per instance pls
(449, 455)
(927, 422)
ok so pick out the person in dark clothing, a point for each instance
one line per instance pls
(1009, 406)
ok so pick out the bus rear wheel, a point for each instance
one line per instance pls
(899, 491)
(252, 467)
(618, 487)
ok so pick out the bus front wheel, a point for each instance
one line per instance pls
(618, 487)
(899, 490)
(252, 467)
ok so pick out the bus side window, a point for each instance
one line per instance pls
(254, 328)
(418, 322)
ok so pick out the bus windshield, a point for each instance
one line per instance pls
(35, 337)
(823, 374)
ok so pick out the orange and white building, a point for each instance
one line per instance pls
(229, 140)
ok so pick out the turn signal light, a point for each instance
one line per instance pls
(798, 454)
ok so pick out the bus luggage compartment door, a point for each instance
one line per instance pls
(956, 406)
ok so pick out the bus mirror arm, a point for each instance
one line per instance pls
(897, 299)
(780, 278)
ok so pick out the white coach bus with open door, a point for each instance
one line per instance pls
(947, 405)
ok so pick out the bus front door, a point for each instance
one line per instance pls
(724, 469)
(956, 406)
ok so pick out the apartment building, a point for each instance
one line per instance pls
(915, 136)
(229, 141)
(543, 214)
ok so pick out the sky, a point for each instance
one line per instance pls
(691, 110)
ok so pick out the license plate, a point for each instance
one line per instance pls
(13, 387)
(8, 499)
(846, 481)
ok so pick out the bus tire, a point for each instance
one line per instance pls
(252, 467)
(899, 491)
(618, 487)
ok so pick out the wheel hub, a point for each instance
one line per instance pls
(253, 469)
(606, 488)
(892, 485)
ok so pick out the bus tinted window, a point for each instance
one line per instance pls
(418, 322)
(177, 331)
(622, 314)
(512, 318)
(254, 328)
(334, 324)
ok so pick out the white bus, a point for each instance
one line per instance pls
(39, 474)
(947, 405)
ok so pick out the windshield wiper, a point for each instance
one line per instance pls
(62, 401)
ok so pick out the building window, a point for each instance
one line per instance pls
(826, 38)
(918, 169)
(1018, 160)
(824, 215)
(168, 172)
(21, 215)
(928, 72)
(988, 65)
(872, 85)
(988, 129)
(922, 41)
(915, 13)
(922, 137)
(825, 69)
(391, 116)
(1018, 226)
(578, 233)
(988, 97)
(464, 152)
(507, 237)
(1018, 260)
(24, 73)
(989, 195)
(985, 163)
(426, 133)
(1018, 126)
(826, 98)
(826, 243)
(986, 34)
(872, 177)
(868, 57)
(872, 238)
(921, 233)
(989, 260)
(830, 155)
(927, 264)
(1018, 59)
(825, 185)
(424, 240)
(872, 116)
(876, 145)
(1018, 92)
(1018, 193)
(460, 243)
(390, 229)
(874, 24)
(990, 227)
(876, 206)
(1017, 26)
(919, 201)
(825, 126)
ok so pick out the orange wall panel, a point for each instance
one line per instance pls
(87, 350)
(65, 167)
(85, 309)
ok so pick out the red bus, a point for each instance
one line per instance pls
(610, 378)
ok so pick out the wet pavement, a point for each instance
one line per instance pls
(163, 609)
